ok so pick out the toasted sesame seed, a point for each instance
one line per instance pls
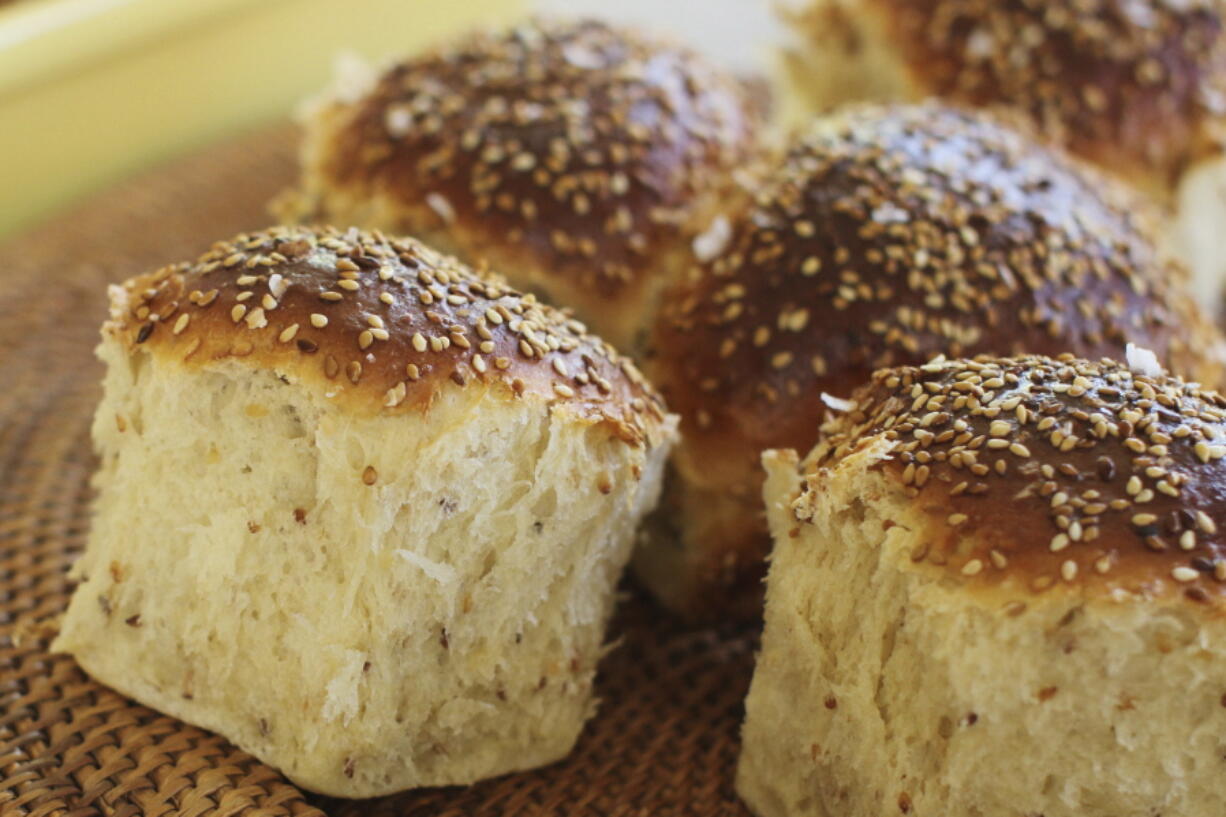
(1184, 574)
(395, 395)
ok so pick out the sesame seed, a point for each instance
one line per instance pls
(288, 333)
(395, 395)
(181, 324)
(1184, 574)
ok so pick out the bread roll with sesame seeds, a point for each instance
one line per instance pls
(1137, 86)
(578, 158)
(997, 589)
(361, 511)
(886, 235)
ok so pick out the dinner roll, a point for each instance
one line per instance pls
(361, 511)
(1138, 86)
(578, 158)
(997, 589)
(886, 236)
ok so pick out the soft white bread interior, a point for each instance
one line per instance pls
(371, 584)
(949, 649)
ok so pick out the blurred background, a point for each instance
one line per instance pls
(92, 91)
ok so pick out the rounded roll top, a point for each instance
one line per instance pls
(1139, 85)
(589, 146)
(1037, 471)
(382, 324)
(891, 234)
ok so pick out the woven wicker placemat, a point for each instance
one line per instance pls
(663, 743)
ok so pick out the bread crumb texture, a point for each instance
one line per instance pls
(369, 594)
(895, 679)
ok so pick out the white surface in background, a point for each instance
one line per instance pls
(739, 33)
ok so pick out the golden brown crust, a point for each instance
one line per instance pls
(893, 234)
(1038, 471)
(887, 236)
(382, 324)
(591, 147)
(1136, 85)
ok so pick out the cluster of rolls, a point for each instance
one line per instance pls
(363, 506)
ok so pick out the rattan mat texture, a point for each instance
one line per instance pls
(664, 740)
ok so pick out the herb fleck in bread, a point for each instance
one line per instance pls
(361, 511)
(997, 589)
